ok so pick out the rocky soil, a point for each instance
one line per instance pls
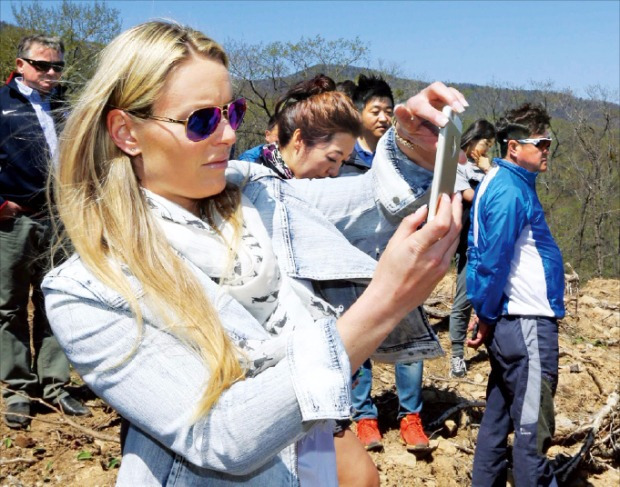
(60, 451)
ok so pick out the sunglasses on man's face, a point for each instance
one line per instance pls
(201, 123)
(541, 143)
(45, 66)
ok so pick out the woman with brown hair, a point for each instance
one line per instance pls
(317, 128)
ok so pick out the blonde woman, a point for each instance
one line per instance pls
(190, 304)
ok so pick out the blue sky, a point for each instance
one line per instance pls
(573, 44)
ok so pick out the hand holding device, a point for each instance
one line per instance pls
(446, 159)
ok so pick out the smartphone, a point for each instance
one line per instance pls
(448, 148)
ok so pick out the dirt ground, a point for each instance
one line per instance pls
(58, 451)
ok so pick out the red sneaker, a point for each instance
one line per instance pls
(369, 434)
(412, 433)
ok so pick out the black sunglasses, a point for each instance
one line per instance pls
(45, 66)
(201, 123)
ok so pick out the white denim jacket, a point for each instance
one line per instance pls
(249, 436)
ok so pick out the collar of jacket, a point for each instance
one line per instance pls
(308, 246)
(56, 97)
(527, 176)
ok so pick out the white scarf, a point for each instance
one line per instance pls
(257, 284)
(276, 301)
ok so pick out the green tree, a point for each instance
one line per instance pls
(9, 38)
(85, 28)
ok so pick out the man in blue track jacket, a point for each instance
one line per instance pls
(515, 282)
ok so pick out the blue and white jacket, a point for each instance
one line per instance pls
(514, 265)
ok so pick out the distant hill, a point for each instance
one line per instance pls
(484, 100)
(579, 191)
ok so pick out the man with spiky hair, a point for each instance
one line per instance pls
(374, 99)
(515, 282)
(28, 143)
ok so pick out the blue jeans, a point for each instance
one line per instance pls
(408, 385)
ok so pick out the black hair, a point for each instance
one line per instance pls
(271, 123)
(479, 130)
(369, 87)
(520, 123)
(347, 87)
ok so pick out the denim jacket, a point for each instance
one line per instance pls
(249, 435)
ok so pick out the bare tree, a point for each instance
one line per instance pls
(263, 72)
(590, 161)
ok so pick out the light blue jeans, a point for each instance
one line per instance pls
(408, 385)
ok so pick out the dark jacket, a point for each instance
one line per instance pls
(359, 162)
(24, 153)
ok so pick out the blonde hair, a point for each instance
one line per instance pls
(104, 212)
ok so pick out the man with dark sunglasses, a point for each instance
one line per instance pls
(30, 104)
(515, 282)
(45, 66)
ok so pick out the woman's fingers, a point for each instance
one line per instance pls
(439, 95)
(407, 121)
(427, 105)
(460, 97)
(415, 260)
(420, 117)
(434, 239)
(457, 208)
(408, 226)
(415, 220)
(419, 108)
(452, 237)
(444, 227)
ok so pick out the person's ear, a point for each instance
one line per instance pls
(121, 130)
(19, 65)
(513, 149)
(298, 143)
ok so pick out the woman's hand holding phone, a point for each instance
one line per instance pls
(446, 159)
(420, 117)
(412, 264)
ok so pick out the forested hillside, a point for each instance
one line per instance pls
(580, 191)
